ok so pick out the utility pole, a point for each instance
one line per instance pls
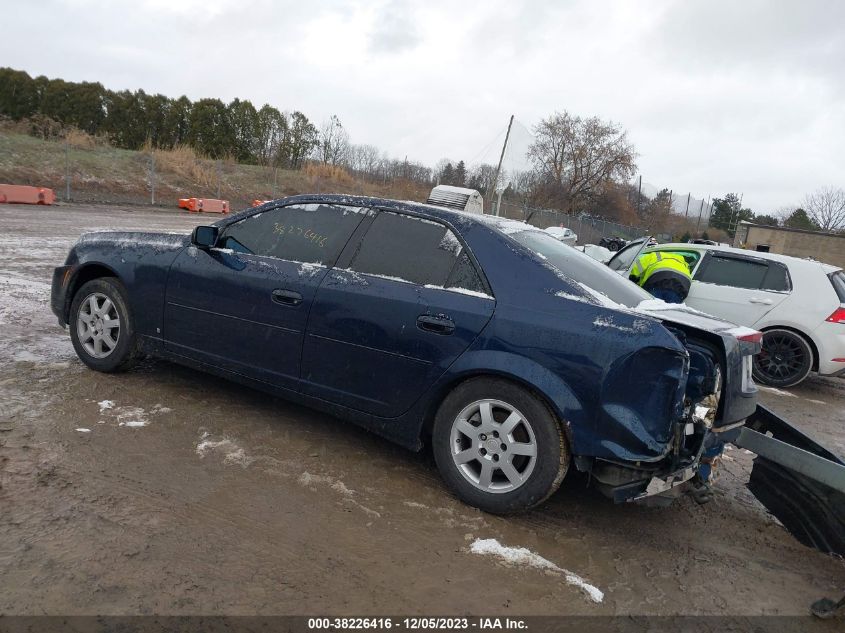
(700, 209)
(639, 194)
(499, 166)
(686, 213)
(735, 216)
(67, 172)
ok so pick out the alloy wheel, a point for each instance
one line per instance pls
(493, 446)
(98, 325)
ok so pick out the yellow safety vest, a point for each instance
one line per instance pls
(649, 263)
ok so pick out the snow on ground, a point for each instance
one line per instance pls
(232, 453)
(521, 556)
(777, 392)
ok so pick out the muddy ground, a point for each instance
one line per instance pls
(190, 495)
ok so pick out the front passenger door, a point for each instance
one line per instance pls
(243, 306)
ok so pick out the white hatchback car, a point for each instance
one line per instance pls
(798, 304)
(565, 235)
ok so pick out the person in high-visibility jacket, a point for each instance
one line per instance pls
(664, 275)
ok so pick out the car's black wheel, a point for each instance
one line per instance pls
(101, 326)
(785, 360)
(613, 246)
(499, 447)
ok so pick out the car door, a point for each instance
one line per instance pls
(739, 288)
(403, 303)
(244, 305)
(624, 259)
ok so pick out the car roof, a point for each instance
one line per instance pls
(784, 259)
(453, 216)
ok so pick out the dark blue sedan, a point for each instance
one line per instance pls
(515, 355)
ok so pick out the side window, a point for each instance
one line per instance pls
(408, 249)
(464, 276)
(777, 279)
(625, 257)
(729, 271)
(308, 233)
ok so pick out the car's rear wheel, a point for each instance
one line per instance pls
(101, 327)
(785, 360)
(499, 447)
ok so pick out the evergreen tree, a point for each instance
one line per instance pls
(460, 174)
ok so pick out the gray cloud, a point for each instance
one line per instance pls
(717, 96)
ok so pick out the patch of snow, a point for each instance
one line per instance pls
(309, 270)
(472, 293)
(463, 291)
(450, 243)
(639, 326)
(132, 417)
(105, 405)
(354, 277)
(777, 392)
(816, 401)
(523, 556)
(133, 424)
(83, 430)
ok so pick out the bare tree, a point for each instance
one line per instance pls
(826, 207)
(574, 158)
(334, 142)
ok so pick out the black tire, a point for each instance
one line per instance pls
(552, 451)
(613, 247)
(785, 360)
(125, 352)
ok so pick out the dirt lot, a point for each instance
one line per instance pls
(194, 496)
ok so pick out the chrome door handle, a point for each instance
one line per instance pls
(766, 302)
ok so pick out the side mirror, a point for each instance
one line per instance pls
(205, 237)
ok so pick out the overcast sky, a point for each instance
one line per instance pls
(745, 96)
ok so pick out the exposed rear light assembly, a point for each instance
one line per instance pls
(838, 316)
(751, 337)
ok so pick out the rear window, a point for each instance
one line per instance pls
(838, 281)
(582, 268)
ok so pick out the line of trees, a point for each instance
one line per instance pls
(577, 164)
(823, 210)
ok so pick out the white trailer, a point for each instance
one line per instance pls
(460, 198)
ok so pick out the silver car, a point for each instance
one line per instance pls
(563, 234)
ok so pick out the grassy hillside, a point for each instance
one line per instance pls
(100, 173)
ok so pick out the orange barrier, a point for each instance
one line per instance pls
(206, 205)
(258, 203)
(21, 194)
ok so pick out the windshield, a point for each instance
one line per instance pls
(582, 268)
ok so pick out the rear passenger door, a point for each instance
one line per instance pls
(401, 305)
(741, 289)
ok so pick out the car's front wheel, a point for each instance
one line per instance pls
(499, 447)
(785, 360)
(101, 326)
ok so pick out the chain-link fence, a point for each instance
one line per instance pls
(590, 229)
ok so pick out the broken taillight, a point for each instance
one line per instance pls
(751, 337)
(838, 316)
